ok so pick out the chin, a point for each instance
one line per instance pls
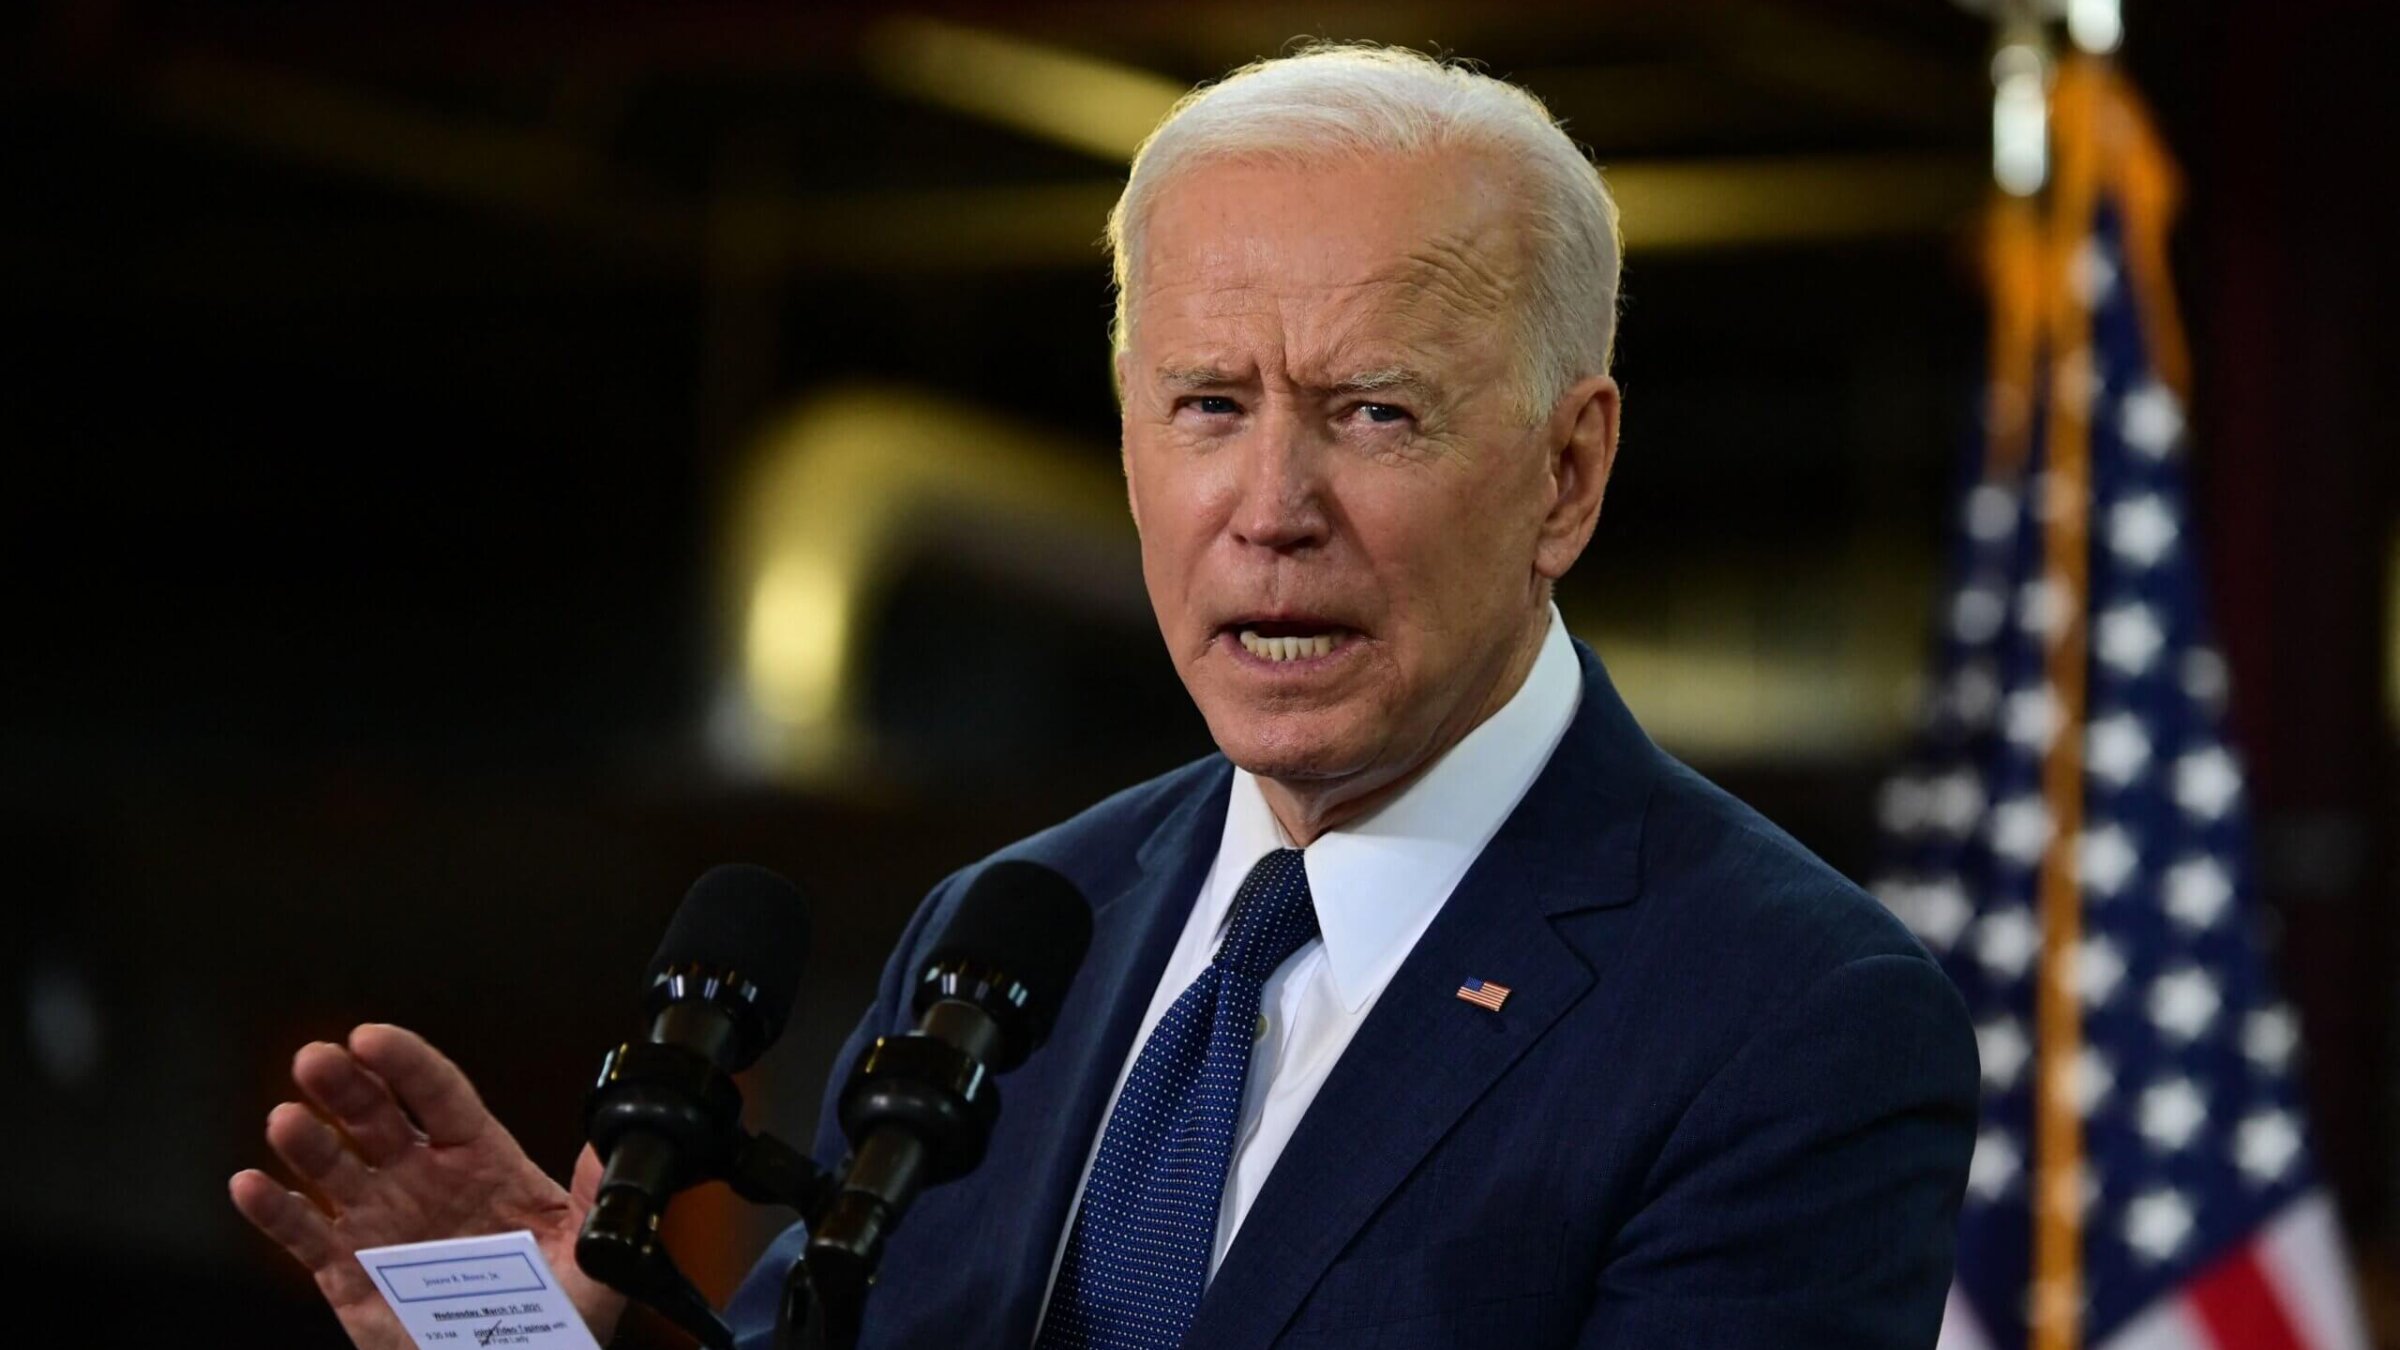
(1292, 747)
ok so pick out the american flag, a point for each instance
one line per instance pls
(1484, 994)
(2069, 833)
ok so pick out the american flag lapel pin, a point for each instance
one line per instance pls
(1484, 994)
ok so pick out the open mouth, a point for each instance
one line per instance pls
(1280, 640)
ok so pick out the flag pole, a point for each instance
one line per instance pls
(2064, 506)
(2038, 319)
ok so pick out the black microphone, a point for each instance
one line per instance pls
(665, 1113)
(919, 1108)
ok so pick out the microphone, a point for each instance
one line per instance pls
(665, 1113)
(919, 1108)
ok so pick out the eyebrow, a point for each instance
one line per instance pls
(1385, 378)
(1196, 377)
(1380, 380)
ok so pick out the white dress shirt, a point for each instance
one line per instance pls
(1377, 884)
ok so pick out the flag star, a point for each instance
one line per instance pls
(1934, 911)
(2105, 859)
(1941, 911)
(2203, 678)
(2269, 1036)
(2005, 941)
(2116, 747)
(2172, 1112)
(2265, 1144)
(2141, 529)
(1956, 802)
(2031, 718)
(2197, 892)
(1894, 892)
(2130, 637)
(1991, 513)
(1995, 1165)
(1902, 803)
(2157, 1222)
(2184, 1003)
(2091, 272)
(2087, 1080)
(1974, 692)
(2207, 781)
(2151, 420)
(2042, 607)
(2099, 968)
(2001, 1045)
(1976, 614)
(2021, 830)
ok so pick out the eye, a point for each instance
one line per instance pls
(1383, 414)
(1210, 405)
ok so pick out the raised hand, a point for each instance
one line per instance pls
(380, 1177)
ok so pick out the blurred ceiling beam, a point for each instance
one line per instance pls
(1667, 206)
(1087, 102)
(1084, 102)
(558, 181)
(1722, 203)
(1843, 67)
(516, 172)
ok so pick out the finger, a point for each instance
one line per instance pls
(317, 1155)
(287, 1217)
(427, 1085)
(350, 1093)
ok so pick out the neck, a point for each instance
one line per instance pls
(1310, 808)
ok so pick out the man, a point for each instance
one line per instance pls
(1443, 1006)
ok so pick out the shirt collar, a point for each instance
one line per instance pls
(1378, 881)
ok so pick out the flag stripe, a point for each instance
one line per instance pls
(1961, 1329)
(2307, 1263)
(2241, 1308)
(2169, 1324)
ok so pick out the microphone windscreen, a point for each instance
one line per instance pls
(748, 920)
(1029, 922)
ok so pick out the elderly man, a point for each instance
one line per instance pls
(1443, 1006)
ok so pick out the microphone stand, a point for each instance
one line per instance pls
(919, 1106)
(674, 1093)
(918, 1109)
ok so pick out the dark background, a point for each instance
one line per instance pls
(380, 384)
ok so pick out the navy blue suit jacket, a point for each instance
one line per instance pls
(1728, 1104)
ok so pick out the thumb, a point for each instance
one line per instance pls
(585, 1186)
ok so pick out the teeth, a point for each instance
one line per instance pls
(1289, 648)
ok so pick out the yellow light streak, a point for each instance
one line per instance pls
(1073, 99)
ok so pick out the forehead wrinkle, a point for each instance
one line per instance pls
(1429, 310)
(1384, 346)
(1460, 277)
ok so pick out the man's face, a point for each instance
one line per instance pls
(1341, 504)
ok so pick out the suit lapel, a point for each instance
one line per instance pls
(1134, 929)
(1425, 1056)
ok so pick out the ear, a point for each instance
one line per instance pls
(1580, 441)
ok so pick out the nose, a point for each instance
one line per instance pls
(1281, 503)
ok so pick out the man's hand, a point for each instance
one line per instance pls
(394, 1145)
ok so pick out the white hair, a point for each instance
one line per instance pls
(1355, 100)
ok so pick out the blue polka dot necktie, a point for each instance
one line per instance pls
(1138, 1256)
